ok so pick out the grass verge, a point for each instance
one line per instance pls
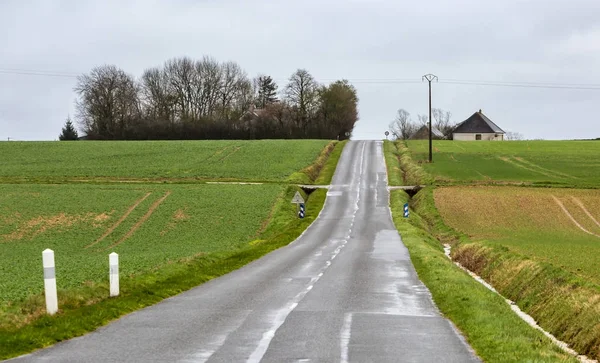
(488, 323)
(328, 169)
(410, 172)
(309, 174)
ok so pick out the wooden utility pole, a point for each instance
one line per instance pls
(430, 77)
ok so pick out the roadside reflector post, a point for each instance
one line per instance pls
(50, 282)
(299, 201)
(113, 274)
(406, 213)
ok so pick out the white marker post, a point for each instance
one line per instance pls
(113, 264)
(50, 282)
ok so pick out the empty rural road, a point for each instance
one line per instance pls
(345, 291)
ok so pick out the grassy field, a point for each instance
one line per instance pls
(259, 160)
(147, 226)
(530, 221)
(560, 163)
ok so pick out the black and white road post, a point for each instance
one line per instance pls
(299, 201)
(50, 282)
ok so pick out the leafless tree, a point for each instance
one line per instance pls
(302, 94)
(232, 81)
(108, 101)
(158, 101)
(422, 120)
(441, 121)
(208, 86)
(510, 135)
(402, 127)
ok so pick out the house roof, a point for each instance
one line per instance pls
(434, 130)
(478, 123)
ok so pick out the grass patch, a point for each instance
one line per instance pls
(84, 223)
(530, 222)
(544, 163)
(398, 158)
(309, 174)
(256, 160)
(488, 323)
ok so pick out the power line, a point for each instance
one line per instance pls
(556, 86)
(26, 72)
(467, 82)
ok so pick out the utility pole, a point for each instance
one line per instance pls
(430, 77)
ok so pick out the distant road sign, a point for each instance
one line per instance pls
(406, 210)
(301, 211)
(387, 133)
(298, 199)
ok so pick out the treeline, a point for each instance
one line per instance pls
(205, 99)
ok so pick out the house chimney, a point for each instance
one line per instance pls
(480, 110)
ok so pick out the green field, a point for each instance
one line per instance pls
(561, 163)
(530, 222)
(260, 160)
(148, 226)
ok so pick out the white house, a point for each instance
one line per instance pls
(477, 127)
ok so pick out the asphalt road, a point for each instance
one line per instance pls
(345, 291)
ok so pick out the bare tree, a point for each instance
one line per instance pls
(108, 101)
(510, 135)
(441, 121)
(302, 93)
(158, 101)
(402, 127)
(232, 80)
(422, 120)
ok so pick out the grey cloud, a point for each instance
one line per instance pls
(535, 41)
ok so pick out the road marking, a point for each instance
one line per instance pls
(345, 335)
(334, 194)
(282, 314)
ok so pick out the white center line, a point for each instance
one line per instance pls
(345, 335)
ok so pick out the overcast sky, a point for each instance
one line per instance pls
(369, 42)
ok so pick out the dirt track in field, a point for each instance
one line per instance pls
(562, 206)
(118, 223)
(141, 221)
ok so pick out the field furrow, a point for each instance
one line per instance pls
(585, 210)
(142, 220)
(568, 214)
(118, 222)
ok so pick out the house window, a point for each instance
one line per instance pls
(477, 136)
